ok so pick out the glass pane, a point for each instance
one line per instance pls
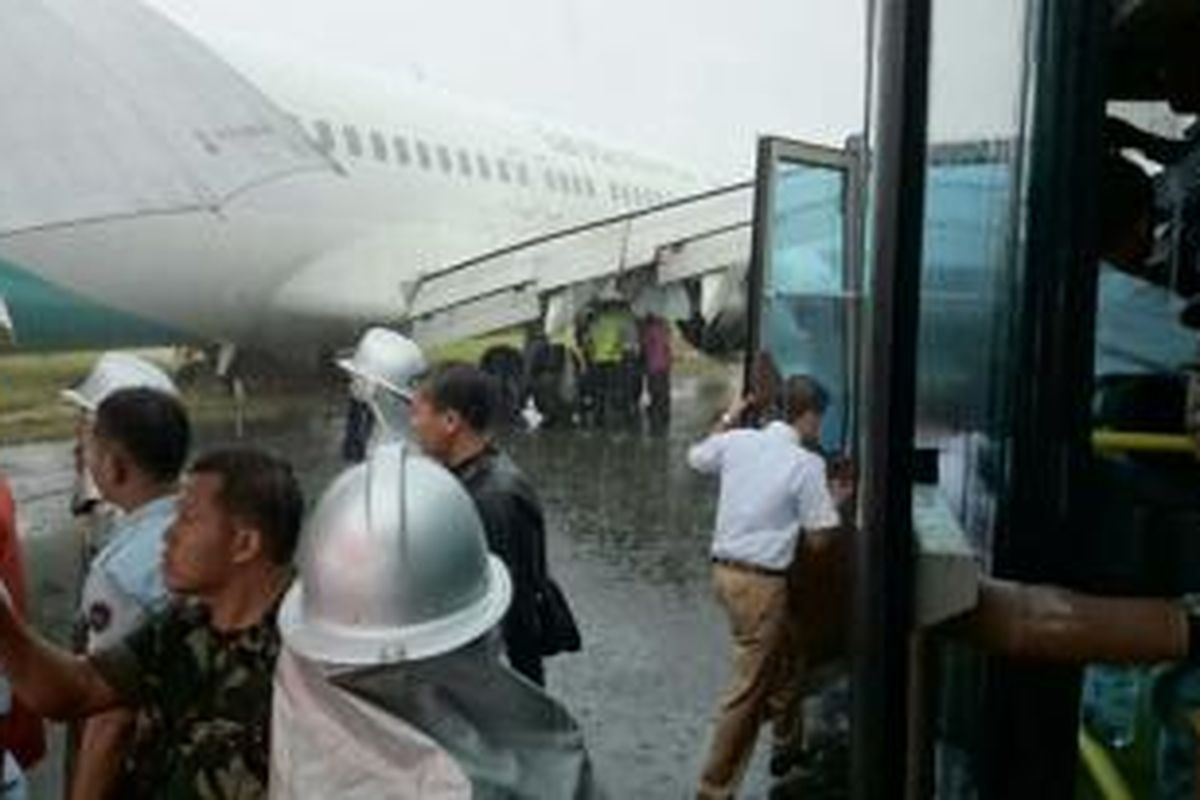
(967, 299)
(804, 322)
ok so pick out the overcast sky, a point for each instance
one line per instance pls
(694, 80)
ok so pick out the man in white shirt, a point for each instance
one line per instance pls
(135, 451)
(772, 489)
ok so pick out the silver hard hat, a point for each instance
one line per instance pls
(113, 372)
(394, 567)
(388, 359)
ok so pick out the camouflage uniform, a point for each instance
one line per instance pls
(204, 706)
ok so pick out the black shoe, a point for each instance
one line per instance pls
(792, 784)
(784, 759)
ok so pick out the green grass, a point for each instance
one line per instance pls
(31, 408)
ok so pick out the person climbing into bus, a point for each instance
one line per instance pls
(772, 491)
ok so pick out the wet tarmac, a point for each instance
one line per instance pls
(629, 527)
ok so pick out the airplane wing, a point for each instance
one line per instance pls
(706, 234)
(111, 110)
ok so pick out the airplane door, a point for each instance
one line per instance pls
(803, 275)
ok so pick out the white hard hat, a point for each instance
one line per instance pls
(394, 567)
(388, 359)
(113, 372)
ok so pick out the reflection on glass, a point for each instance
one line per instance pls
(804, 323)
(967, 292)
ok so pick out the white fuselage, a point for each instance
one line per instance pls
(306, 261)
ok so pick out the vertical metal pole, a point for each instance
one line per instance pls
(760, 242)
(883, 560)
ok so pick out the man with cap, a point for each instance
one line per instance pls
(390, 682)
(135, 450)
(772, 492)
(382, 371)
(111, 372)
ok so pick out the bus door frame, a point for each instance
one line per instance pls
(847, 160)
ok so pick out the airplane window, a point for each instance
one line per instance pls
(353, 140)
(401, 147)
(589, 187)
(502, 171)
(485, 170)
(444, 161)
(325, 140)
(379, 146)
(522, 174)
(577, 185)
(614, 193)
(423, 155)
(551, 180)
(464, 163)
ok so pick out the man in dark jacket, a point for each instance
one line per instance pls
(452, 416)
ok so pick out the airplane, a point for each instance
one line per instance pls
(446, 217)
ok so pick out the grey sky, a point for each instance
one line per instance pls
(694, 80)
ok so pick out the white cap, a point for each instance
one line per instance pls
(386, 358)
(113, 372)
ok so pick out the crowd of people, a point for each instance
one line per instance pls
(614, 375)
(395, 647)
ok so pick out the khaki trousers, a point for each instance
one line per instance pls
(764, 681)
